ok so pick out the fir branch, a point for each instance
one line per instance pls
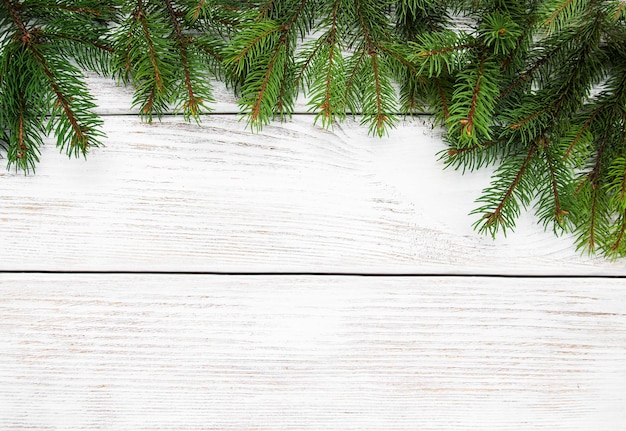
(616, 184)
(192, 104)
(592, 199)
(617, 248)
(415, 17)
(381, 118)
(262, 58)
(582, 137)
(619, 11)
(200, 9)
(39, 82)
(553, 196)
(17, 19)
(326, 81)
(352, 95)
(474, 157)
(261, 75)
(264, 12)
(260, 110)
(373, 94)
(79, 140)
(141, 61)
(615, 187)
(80, 40)
(500, 33)
(443, 99)
(526, 76)
(322, 67)
(563, 12)
(559, 212)
(166, 58)
(502, 200)
(249, 44)
(440, 52)
(473, 103)
(414, 89)
(140, 15)
(528, 120)
(515, 59)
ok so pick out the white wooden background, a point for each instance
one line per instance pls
(200, 277)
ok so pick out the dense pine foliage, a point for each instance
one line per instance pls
(536, 88)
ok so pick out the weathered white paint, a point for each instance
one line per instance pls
(310, 353)
(215, 197)
(176, 352)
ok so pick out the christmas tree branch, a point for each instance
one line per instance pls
(62, 7)
(473, 103)
(322, 71)
(580, 135)
(79, 137)
(17, 20)
(191, 106)
(502, 206)
(88, 42)
(555, 211)
(590, 191)
(372, 93)
(445, 104)
(39, 83)
(262, 57)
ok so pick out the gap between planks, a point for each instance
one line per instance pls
(316, 274)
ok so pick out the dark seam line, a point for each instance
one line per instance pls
(212, 114)
(315, 274)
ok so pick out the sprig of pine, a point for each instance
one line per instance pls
(261, 57)
(169, 51)
(42, 89)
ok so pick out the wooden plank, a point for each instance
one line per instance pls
(178, 353)
(174, 196)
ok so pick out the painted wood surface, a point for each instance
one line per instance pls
(174, 196)
(200, 352)
(178, 353)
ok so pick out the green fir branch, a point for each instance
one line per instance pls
(261, 57)
(369, 88)
(321, 66)
(42, 91)
(440, 52)
(473, 103)
(553, 203)
(561, 13)
(166, 58)
(510, 192)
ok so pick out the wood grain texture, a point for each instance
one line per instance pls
(174, 196)
(182, 352)
(311, 353)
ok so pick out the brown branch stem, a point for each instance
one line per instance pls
(496, 214)
(62, 100)
(17, 19)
